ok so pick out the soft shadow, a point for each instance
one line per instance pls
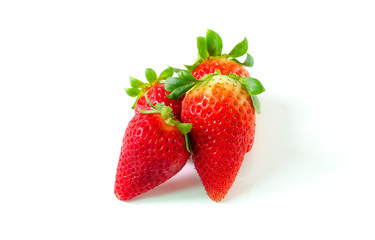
(272, 144)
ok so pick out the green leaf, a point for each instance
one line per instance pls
(148, 101)
(184, 127)
(149, 111)
(256, 103)
(187, 143)
(214, 43)
(180, 91)
(186, 76)
(239, 50)
(165, 111)
(176, 70)
(166, 73)
(171, 122)
(191, 68)
(172, 83)
(132, 92)
(135, 83)
(202, 48)
(253, 86)
(136, 100)
(150, 75)
(158, 106)
(249, 61)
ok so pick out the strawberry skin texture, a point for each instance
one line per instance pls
(157, 94)
(222, 115)
(224, 65)
(152, 152)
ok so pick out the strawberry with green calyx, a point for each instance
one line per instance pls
(170, 119)
(154, 149)
(210, 57)
(155, 90)
(221, 109)
(185, 81)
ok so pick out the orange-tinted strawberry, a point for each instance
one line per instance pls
(222, 110)
(154, 149)
(211, 59)
(225, 66)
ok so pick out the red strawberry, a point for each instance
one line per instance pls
(155, 91)
(221, 109)
(157, 94)
(153, 150)
(225, 66)
(211, 59)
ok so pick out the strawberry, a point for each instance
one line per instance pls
(157, 94)
(155, 91)
(211, 59)
(222, 110)
(224, 65)
(154, 149)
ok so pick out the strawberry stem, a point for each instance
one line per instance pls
(139, 88)
(148, 101)
(170, 119)
(210, 47)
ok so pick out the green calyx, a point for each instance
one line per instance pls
(211, 46)
(139, 88)
(178, 86)
(167, 114)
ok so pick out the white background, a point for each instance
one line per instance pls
(63, 69)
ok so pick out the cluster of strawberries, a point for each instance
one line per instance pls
(207, 111)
